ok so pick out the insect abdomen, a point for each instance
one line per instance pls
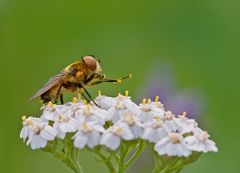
(45, 97)
(51, 94)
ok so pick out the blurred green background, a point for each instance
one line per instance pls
(199, 38)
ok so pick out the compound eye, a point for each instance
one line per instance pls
(91, 62)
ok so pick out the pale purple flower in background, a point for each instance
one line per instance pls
(161, 81)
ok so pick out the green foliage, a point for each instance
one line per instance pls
(199, 38)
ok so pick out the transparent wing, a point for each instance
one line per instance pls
(53, 81)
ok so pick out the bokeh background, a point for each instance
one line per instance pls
(189, 48)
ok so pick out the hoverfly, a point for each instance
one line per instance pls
(75, 78)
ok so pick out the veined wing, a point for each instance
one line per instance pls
(53, 81)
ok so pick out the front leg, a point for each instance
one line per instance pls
(94, 77)
(81, 86)
(98, 78)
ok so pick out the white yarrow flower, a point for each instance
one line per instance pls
(149, 109)
(111, 138)
(50, 111)
(65, 124)
(201, 143)
(91, 113)
(154, 131)
(169, 121)
(105, 102)
(38, 132)
(172, 145)
(134, 125)
(88, 135)
(171, 135)
(124, 105)
(185, 125)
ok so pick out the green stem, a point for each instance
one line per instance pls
(136, 154)
(106, 160)
(68, 154)
(74, 165)
(124, 151)
(170, 166)
(158, 164)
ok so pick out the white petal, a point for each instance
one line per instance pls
(63, 127)
(109, 140)
(105, 102)
(150, 135)
(24, 132)
(72, 125)
(196, 144)
(165, 147)
(49, 133)
(127, 134)
(171, 125)
(211, 146)
(60, 133)
(99, 128)
(136, 131)
(146, 116)
(93, 139)
(38, 142)
(49, 115)
(160, 146)
(80, 141)
(161, 133)
(154, 134)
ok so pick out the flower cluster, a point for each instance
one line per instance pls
(117, 119)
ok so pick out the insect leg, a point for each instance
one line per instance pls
(85, 98)
(80, 93)
(89, 95)
(112, 80)
(61, 98)
(57, 95)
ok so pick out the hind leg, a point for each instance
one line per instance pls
(57, 95)
(61, 98)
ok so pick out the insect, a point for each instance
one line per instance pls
(75, 78)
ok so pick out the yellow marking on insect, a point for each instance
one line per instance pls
(74, 100)
(23, 118)
(79, 95)
(126, 93)
(144, 101)
(99, 93)
(184, 114)
(156, 99)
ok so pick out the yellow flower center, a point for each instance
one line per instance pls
(174, 138)
(74, 100)
(156, 99)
